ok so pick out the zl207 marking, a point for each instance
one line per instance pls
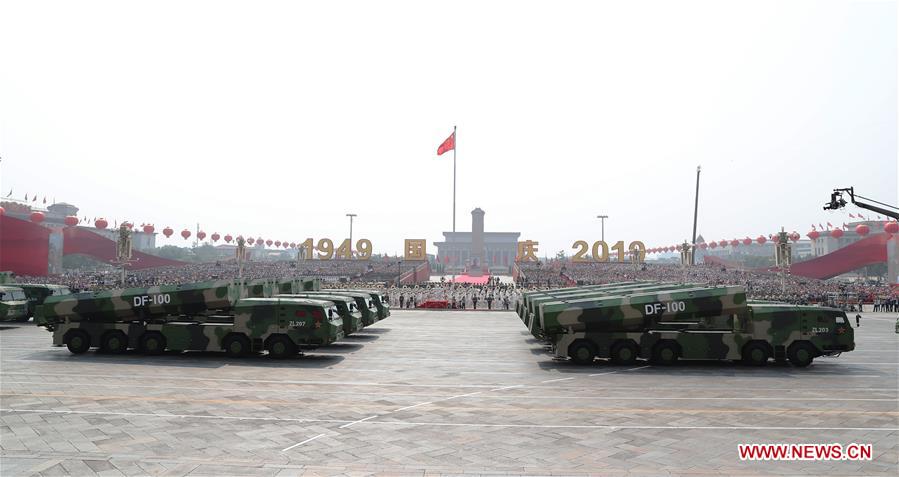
(670, 307)
(144, 300)
(296, 324)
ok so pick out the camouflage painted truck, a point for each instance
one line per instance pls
(665, 325)
(535, 325)
(207, 316)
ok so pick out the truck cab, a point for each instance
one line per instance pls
(800, 333)
(37, 293)
(13, 304)
(346, 307)
(379, 300)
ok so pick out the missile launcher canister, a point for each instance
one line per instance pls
(207, 316)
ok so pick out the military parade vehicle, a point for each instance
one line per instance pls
(380, 301)
(671, 322)
(37, 293)
(206, 316)
(346, 306)
(13, 304)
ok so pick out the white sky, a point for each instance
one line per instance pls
(274, 119)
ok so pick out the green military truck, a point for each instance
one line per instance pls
(380, 301)
(696, 322)
(346, 306)
(208, 316)
(13, 304)
(38, 292)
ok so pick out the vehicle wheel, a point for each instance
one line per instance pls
(280, 347)
(78, 341)
(801, 354)
(114, 342)
(236, 345)
(756, 354)
(665, 353)
(582, 352)
(152, 342)
(624, 352)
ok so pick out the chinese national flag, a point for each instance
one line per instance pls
(447, 145)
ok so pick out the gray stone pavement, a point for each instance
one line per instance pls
(435, 392)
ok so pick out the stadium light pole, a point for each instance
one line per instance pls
(602, 221)
(351, 233)
(695, 214)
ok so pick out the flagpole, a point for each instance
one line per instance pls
(454, 178)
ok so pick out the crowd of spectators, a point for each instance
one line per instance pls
(495, 295)
(759, 285)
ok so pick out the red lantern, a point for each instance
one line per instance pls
(167, 232)
(293, 245)
(713, 245)
(722, 243)
(228, 238)
(149, 229)
(703, 245)
(269, 242)
(185, 233)
(761, 240)
(891, 227)
(201, 235)
(37, 217)
(71, 221)
(734, 242)
(813, 235)
(748, 241)
(215, 236)
(277, 243)
(101, 223)
(285, 244)
(795, 236)
(679, 248)
(251, 240)
(836, 233)
(862, 230)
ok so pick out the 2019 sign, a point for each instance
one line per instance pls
(600, 251)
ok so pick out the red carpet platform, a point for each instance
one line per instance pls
(482, 280)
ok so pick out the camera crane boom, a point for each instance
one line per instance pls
(837, 202)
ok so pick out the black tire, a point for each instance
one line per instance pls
(801, 354)
(78, 341)
(281, 347)
(665, 353)
(756, 354)
(582, 352)
(152, 343)
(236, 345)
(114, 342)
(624, 352)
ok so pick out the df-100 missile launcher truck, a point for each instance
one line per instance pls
(207, 316)
(664, 322)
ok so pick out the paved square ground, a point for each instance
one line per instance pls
(431, 392)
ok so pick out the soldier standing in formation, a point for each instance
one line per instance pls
(489, 302)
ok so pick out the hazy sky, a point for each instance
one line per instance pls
(274, 119)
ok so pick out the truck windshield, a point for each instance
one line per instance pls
(12, 296)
